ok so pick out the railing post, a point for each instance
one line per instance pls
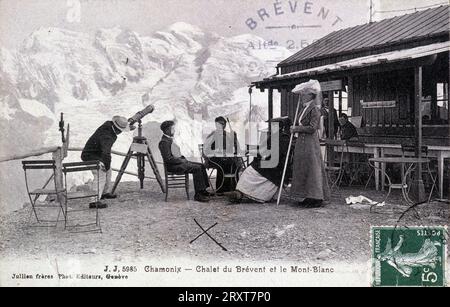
(58, 157)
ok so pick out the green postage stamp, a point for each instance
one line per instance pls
(409, 256)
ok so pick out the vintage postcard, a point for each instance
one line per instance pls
(224, 143)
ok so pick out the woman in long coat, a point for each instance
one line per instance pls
(309, 181)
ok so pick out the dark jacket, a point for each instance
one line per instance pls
(348, 131)
(173, 164)
(274, 174)
(98, 147)
(326, 117)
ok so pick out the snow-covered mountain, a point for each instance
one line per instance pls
(190, 75)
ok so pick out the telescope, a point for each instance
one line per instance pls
(140, 149)
(141, 114)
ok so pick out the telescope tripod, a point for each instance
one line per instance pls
(139, 149)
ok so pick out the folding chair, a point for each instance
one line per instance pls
(176, 181)
(334, 167)
(358, 167)
(69, 168)
(36, 193)
(409, 151)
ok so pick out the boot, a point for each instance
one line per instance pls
(98, 205)
(201, 198)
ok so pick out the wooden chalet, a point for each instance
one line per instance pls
(394, 74)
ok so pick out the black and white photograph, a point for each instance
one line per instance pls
(224, 143)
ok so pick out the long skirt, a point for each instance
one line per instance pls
(255, 186)
(309, 178)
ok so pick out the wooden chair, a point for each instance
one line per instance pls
(69, 168)
(34, 194)
(176, 181)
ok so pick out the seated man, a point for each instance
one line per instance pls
(224, 143)
(260, 182)
(178, 164)
(348, 130)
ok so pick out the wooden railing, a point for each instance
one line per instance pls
(118, 153)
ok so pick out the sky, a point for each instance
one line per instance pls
(291, 23)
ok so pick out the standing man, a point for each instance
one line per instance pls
(178, 164)
(98, 148)
(325, 112)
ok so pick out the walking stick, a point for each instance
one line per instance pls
(233, 133)
(287, 155)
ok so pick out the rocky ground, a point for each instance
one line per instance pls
(141, 224)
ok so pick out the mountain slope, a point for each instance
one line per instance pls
(190, 75)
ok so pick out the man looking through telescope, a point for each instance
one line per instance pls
(98, 148)
(99, 145)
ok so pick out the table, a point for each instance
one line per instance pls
(357, 148)
(439, 152)
(233, 173)
(399, 160)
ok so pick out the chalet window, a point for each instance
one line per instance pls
(344, 106)
(436, 111)
(442, 103)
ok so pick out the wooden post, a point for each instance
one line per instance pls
(446, 94)
(283, 104)
(350, 95)
(58, 156)
(340, 102)
(269, 146)
(418, 189)
(330, 149)
(270, 103)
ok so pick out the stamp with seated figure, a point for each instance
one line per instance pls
(409, 256)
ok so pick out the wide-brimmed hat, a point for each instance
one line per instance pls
(120, 122)
(310, 87)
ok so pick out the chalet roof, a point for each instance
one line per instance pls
(411, 27)
(366, 61)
